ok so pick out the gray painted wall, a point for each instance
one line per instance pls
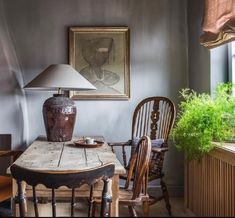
(37, 34)
(198, 56)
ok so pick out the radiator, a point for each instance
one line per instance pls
(210, 183)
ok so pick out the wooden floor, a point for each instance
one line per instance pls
(157, 210)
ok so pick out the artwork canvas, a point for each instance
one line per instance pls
(101, 55)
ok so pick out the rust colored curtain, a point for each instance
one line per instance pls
(218, 23)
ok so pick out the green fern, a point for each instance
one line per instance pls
(202, 119)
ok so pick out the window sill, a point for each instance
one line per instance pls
(224, 152)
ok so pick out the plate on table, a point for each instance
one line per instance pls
(83, 144)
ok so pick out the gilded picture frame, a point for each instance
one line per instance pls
(102, 56)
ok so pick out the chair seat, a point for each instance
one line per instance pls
(5, 188)
(125, 197)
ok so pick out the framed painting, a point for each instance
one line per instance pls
(102, 56)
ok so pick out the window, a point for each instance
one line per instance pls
(218, 66)
(231, 63)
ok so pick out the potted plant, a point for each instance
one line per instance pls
(203, 119)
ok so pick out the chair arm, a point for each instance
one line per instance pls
(122, 145)
(116, 144)
(119, 144)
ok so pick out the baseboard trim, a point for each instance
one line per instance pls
(174, 191)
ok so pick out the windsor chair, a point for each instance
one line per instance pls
(155, 118)
(135, 191)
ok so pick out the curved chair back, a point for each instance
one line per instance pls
(153, 117)
(139, 165)
(71, 179)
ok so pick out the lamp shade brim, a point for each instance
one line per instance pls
(61, 76)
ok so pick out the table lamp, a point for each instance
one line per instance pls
(59, 111)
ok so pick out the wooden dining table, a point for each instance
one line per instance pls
(66, 156)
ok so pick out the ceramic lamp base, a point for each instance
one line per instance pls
(59, 114)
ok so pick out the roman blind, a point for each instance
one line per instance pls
(218, 23)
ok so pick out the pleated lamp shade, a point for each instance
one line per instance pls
(59, 111)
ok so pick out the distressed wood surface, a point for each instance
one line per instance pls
(65, 156)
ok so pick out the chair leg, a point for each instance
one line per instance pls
(166, 196)
(93, 212)
(146, 208)
(21, 199)
(132, 211)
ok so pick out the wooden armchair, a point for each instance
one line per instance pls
(70, 179)
(153, 117)
(135, 191)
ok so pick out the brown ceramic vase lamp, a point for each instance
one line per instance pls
(59, 111)
(59, 114)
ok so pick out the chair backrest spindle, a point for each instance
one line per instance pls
(35, 202)
(153, 117)
(53, 202)
(73, 204)
(91, 205)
